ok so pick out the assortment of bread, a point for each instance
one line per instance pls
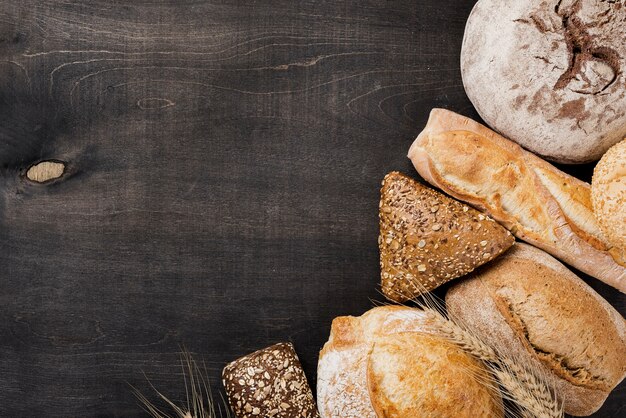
(524, 305)
(520, 325)
(559, 341)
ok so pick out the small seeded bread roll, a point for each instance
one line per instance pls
(389, 363)
(549, 74)
(427, 239)
(608, 194)
(269, 383)
(535, 310)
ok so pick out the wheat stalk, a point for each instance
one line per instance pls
(199, 402)
(521, 386)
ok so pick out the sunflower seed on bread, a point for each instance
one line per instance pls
(427, 239)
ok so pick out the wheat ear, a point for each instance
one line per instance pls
(523, 387)
(199, 403)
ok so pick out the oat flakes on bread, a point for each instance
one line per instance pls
(533, 199)
(608, 194)
(534, 309)
(427, 239)
(269, 383)
(387, 363)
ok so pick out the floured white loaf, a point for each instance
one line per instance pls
(388, 363)
(549, 74)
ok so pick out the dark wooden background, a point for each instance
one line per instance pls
(223, 166)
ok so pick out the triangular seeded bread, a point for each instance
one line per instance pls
(427, 239)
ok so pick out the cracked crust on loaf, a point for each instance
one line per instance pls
(608, 193)
(538, 311)
(549, 74)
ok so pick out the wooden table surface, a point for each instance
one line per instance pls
(223, 161)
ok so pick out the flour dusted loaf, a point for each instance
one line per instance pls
(427, 239)
(387, 363)
(535, 310)
(608, 194)
(269, 383)
(534, 200)
(549, 74)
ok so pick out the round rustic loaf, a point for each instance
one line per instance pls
(549, 74)
(537, 311)
(389, 363)
(608, 196)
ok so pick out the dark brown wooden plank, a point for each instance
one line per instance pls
(223, 164)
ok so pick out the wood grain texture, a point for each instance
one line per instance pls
(223, 162)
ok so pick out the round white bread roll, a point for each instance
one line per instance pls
(608, 196)
(549, 74)
(535, 310)
(386, 363)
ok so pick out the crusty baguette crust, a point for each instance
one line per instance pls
(377, 365)
(539, 312)
(537, 202)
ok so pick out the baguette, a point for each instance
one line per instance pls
(537, 202)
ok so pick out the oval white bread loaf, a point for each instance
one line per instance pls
(537, 202)
(386, 364)
(534, 309)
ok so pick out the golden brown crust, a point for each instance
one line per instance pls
(441, 388)
(387, 363)
(427, 239)
(533, 199)
(608, 190)
(538, 311)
